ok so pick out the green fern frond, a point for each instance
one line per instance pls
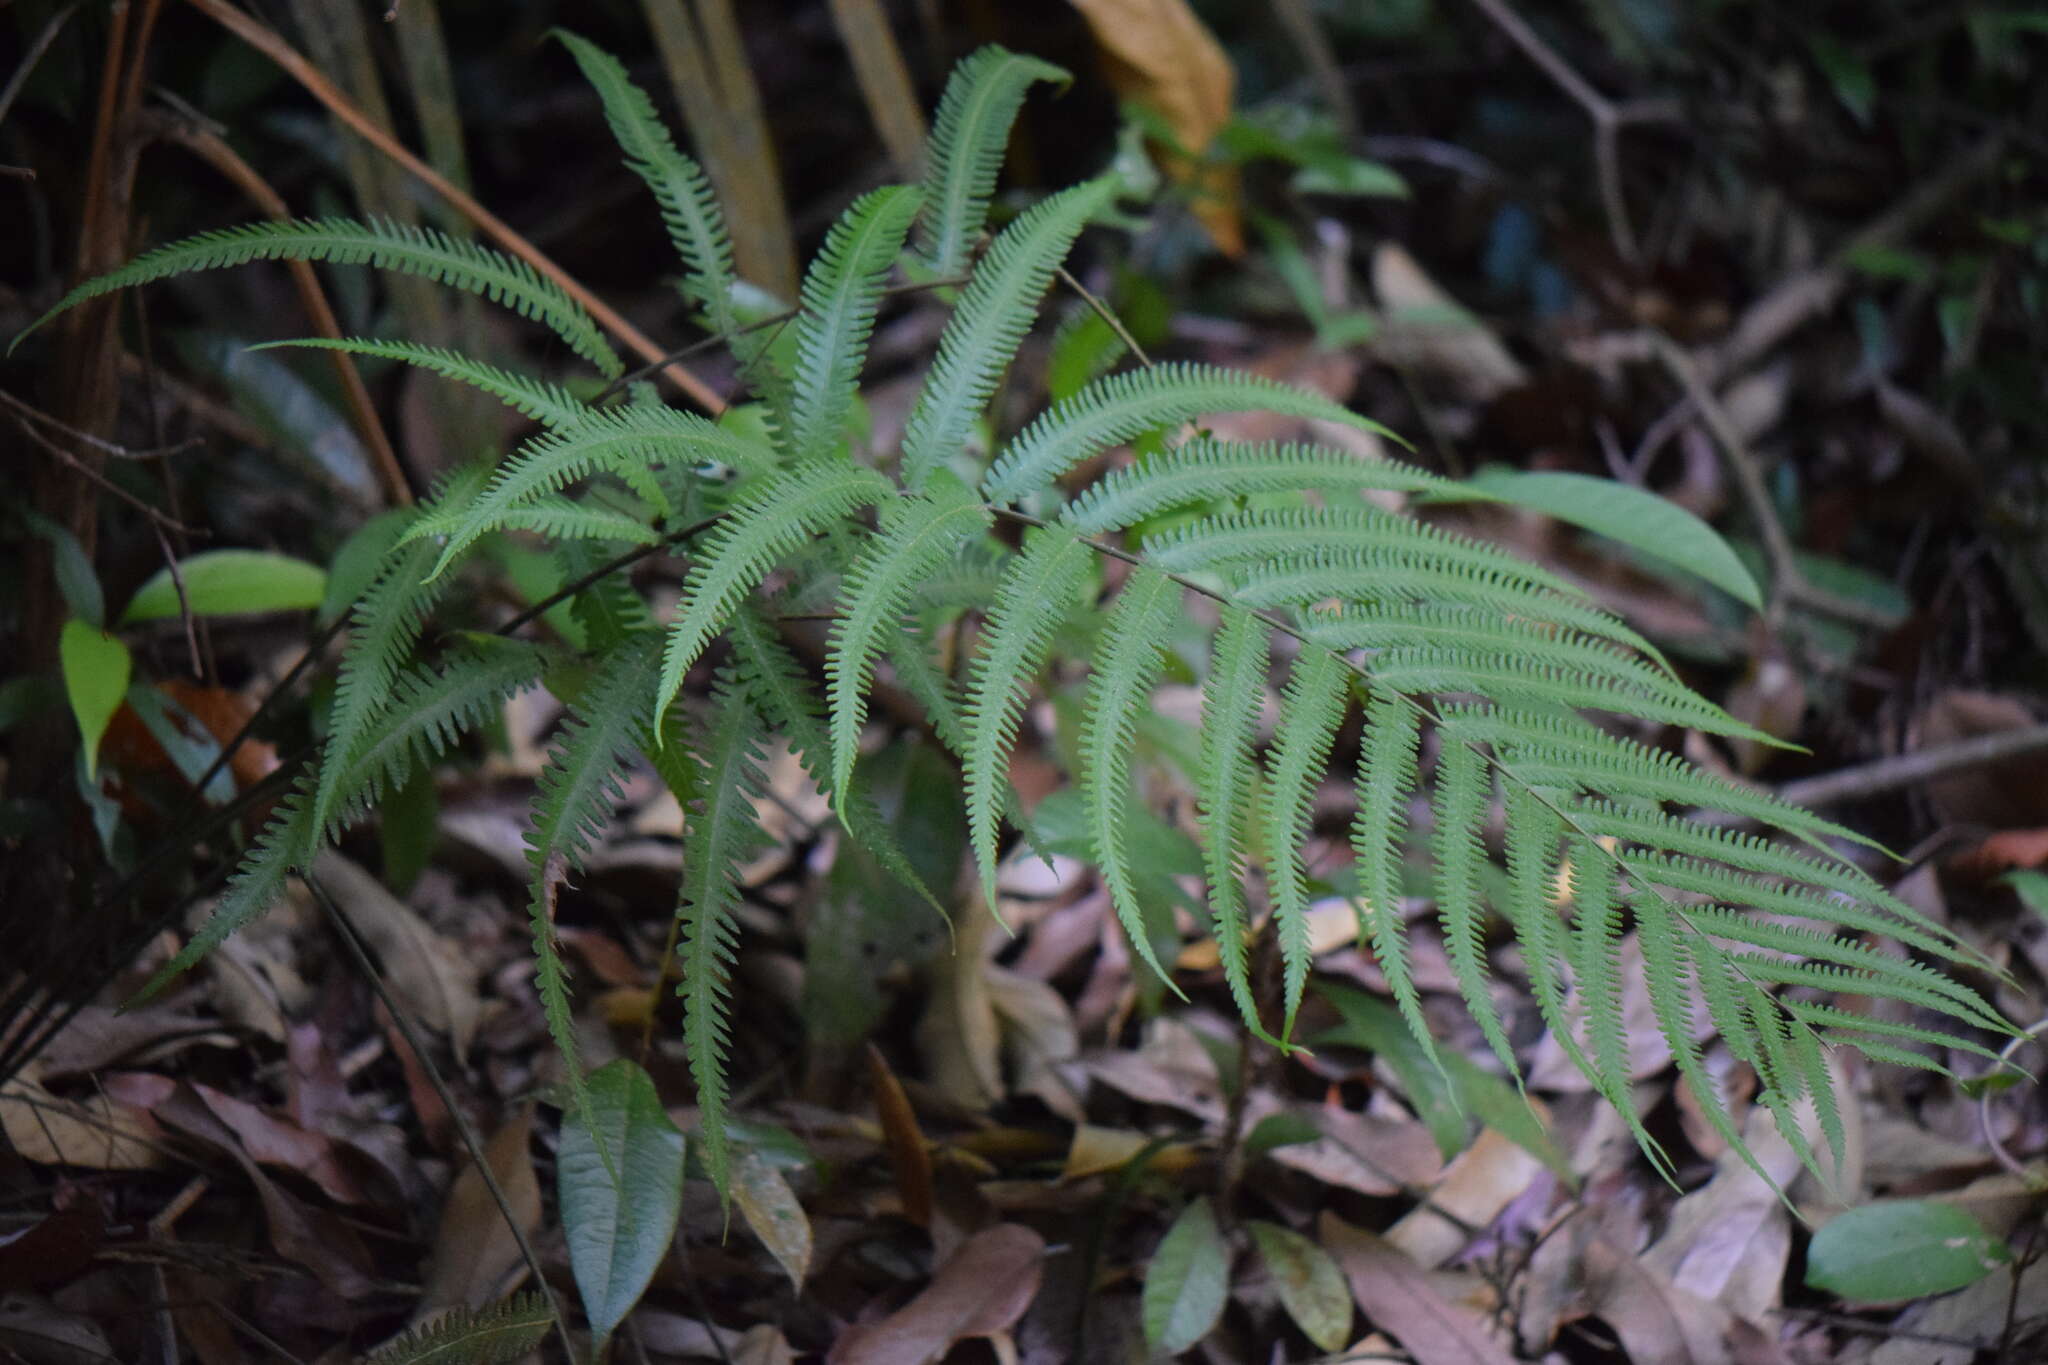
(622, 441)
(1126, 666)
(965, 150)
(1115, 409)
(1596, 963)
(1464, 788)
(724, 831)
(775, 685)
(558, 518)
(1389, 765)
(995, 310)
(1204, 470)
(841, 292)
(689, 209)
(572, 803)
(1534, 831)
(767, 521)
(425, 252)
(505, 1331)
(1313, 704)
(915, 535)
(549, 404)
(1669, 972)
(1233, 696)
(1842, 1028)
(1037, 590)
(1540, 681)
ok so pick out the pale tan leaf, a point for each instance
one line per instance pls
(476, 1258)
(771, 1209)
(1480, 1182)
(428, 974)
(96, 1134)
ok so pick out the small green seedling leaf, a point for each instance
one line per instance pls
(96, 668)
(618, 1233)
(1310, 1284)
(230, 583)
(1188, 1281)
(1902, 1249)
(1656, 526)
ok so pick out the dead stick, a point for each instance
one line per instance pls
(266, 41)
(1903, 770)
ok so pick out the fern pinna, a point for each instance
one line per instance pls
(1467, 667)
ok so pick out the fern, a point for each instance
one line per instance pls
(418, 251)
(723, 832)
(1121, 406)
(841, 292)
(966, 152)
(1454, 648)
(506, 1331)
(995, 310)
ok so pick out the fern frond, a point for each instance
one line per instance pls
(383, 630)
(1037, 590)
(505, 1331)
(1401, 574)
(558, 518)
(916, 533)
(1311, 708)
(776, 686)
(1534, 828)
(724, 831)
(994, 312)
(689, 209)
(766, 522)
(609, 609)
(1389, 764)
(623, 441)
(1204, 470)
(410, 250)
(1115, 409)
(841, 292)
(549, 404)
(1126, 665)
(1668, 971)
(965, 150)
(1846, 1028)
(1464, 787)
(1232, 698)
(572, 803)
(1596, 962)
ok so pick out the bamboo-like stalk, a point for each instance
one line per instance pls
(884, 80)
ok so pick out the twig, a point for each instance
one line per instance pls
(1108, 316)
(99, 480)
(266, 41)
(99, 443)
(1788, 581)
(1609, 118)
(36, 49)
(1903, 770)
(470, 1140)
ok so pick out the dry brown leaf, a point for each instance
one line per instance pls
(1771, 696)
(1400, 1299)
(909, 1157)
(476, 1258)
(1156, 53)
(2008, 795)
(268, 1139)
(1480, 1182)
(1729, 1240)
(771, 1209)
(958, 1034)
(1171, 1068)
(1039, 1036)
(980, 1292)
(97, 1134)
(40, 1333)
(50, 1252)
(427, 973)
(1427, 328)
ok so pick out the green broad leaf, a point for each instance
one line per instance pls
(1850, 76)
(1275, 1131)
(1902, 1249)
(230, 583)
(77, 582)
(96, 668)
(1446, 1091)
(359, 560)
(1656, 526)
(618, 1233)
(2032, 889)
(1188, 1281)
(1310, 1284)
(1349, 176)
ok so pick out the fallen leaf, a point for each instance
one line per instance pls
(1427, 328)
(52, 1251)
(981, 1292)
(1397, 1295)
(269, 1140)
(1729, 1240)
(98, 1134)
(1309, 1282)
(41, 1333)
(771, 1209)
(476, 1258)
(2006, 795)
(427, 973)
(1158, 55)
(910, 1158)
(1480, 1181)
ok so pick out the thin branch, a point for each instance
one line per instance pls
(99, 443)
(1922, 765)
(1107, 314)
(265, 40)
(36, 49)
(99, 480)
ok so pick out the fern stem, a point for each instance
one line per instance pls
(606, 570)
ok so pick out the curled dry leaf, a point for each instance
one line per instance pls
(1160, 56)
(980, 1292)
